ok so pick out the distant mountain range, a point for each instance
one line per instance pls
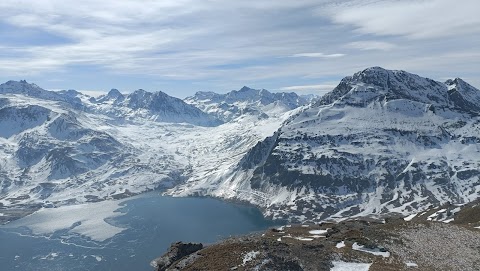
(246, 101)
(381, 142)
(158, 106)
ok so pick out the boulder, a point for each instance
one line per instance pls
(176, 252)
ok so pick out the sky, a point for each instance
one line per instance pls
(184, 46)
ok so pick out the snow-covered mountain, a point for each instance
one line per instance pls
(24, 88)
(66, 147)
(51, 153)
(157, 106)
(381, 142)
(246, 101)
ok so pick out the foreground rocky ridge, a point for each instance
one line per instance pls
(419, 242)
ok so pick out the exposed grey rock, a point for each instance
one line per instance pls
(176, 252)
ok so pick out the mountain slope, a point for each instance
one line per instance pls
(382, 141)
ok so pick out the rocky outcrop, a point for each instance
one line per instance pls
(421, 242)
(176, 252)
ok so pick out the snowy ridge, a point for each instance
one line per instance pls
(156, 106)
(261, 103)
(382, 142)
(31, 90)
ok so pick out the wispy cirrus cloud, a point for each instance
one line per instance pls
(317, 55)
(220, 45)
(417, 19)
(371, 45)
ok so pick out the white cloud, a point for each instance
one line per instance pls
(232, 43)
(419, 19)
(318, 55)
(180, 39)
(371, 45)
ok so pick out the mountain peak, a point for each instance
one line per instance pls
(373, 75)
(140, 91)
(375, 69)
(463, 95)
(25, 88)
(114, 93)
(165, 108)
(459, 82)
(377, 83)
(245, 88)
(259, 102)
(20, 86)
(204, 95)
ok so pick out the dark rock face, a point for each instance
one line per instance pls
(464, 96)
(176, 252)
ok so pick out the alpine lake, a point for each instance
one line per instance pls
(120, 235)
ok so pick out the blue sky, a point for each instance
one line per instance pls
(183, 46)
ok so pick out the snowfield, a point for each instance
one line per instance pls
(345, 266)
(375, 251)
